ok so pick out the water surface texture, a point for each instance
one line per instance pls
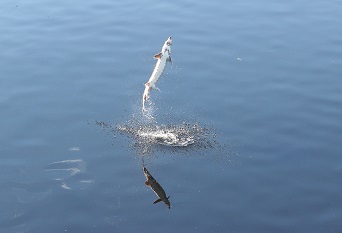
(244, 136)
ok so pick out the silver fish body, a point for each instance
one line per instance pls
(157, 188)
(162, 58)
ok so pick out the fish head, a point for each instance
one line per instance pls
(167, 45)
(167, 202)
(168, 41)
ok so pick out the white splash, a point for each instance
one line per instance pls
(165, 137)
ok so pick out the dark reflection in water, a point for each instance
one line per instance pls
(155, 186)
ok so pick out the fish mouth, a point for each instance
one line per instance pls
(169, 41)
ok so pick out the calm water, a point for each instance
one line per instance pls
(256, 85)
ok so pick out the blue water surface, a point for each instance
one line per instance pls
(261, 78)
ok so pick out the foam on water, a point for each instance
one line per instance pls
(149, 136)
(168, 135)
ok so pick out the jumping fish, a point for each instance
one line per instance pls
(162, 57)
(157, 189)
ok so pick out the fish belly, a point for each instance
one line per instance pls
(158, 71)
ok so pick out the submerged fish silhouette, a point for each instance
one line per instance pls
(156, 187)
(162, 57)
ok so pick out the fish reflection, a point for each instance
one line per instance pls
(156, 188)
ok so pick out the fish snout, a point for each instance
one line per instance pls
(167, 202)
(169, 41)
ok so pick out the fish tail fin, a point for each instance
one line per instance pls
(155, 88)
(143, 104)
(145, 95)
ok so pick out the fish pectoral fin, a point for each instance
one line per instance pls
(147, 183)
(169, 59)
(156, 201)
(159, 55)
(155, 88)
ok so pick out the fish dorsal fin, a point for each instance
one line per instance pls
(158, 55)
(156, 201)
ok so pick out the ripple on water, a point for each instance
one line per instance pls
(70, 173)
